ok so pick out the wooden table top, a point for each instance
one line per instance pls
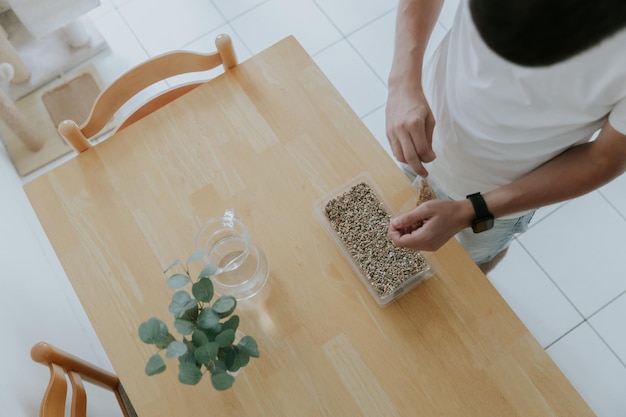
(270, 138)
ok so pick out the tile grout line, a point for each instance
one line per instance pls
(550, 277)
(239, 14)
(347, 35)
(558, 339)
(563, 204)
(228, 22)
(369, 113)
(607, 345)
(130, 28)
(359, 27)
(606, 304)
(604, 342)
(584, 319)
(619, 213)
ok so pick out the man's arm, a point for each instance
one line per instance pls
(575, 172)
(409, 120)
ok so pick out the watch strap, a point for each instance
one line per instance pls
(480, 207)
(483, 219)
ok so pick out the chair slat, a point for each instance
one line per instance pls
(79, 396)
(53, 403)
(78, 133)
(77, 370)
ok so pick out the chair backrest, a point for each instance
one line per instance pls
(61, 364)
(140, 77)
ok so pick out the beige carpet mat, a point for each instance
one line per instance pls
(72, 100)
(70, 97)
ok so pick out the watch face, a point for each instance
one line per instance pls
(481, 225)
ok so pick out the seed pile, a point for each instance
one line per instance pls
(361, 223)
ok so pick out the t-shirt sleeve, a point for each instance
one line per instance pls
(617, 117)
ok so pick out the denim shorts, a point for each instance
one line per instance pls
(484, 246)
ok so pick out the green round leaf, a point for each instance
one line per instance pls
(199, 338)
(189, 373)
(155, 365)
(190, 346)
(218, 367)
(207, 271)
(225, 338)
(191, 314)
(196, 256)
(178, 281)
(241, 360)
(203, 290)
(228, 355)
(153, 331)
(222, 381)
(172, 265)
(206, 353)
(175, 349)
(225, 305)
(187, 358)
(165, 343)
(213, 331)
(248, 345)
(184, 327)
(231, 323)
(181, 302)
(208, 319)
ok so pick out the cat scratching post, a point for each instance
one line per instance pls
(8, 54)
(13, 118)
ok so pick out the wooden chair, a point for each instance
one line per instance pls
(77, 370)
(138, 78)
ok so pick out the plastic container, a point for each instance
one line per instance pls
(385, 279)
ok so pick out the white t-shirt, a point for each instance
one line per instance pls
(497, 121)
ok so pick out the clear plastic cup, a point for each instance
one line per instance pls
(242, 268)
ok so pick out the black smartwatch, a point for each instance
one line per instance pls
(484, 219)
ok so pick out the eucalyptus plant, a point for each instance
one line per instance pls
(207, 341)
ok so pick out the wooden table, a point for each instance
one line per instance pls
(270, 138)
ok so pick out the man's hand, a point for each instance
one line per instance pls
(410, 122)
(430, 225)
(410, 125)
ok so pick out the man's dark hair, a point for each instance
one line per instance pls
(544, 32)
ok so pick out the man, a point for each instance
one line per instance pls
(518, 89)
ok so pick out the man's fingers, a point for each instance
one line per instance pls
(409, 221)
(396, 148)
(412, 156)
(410, 137)
(423, 135)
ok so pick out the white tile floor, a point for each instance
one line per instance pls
(563, 277)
